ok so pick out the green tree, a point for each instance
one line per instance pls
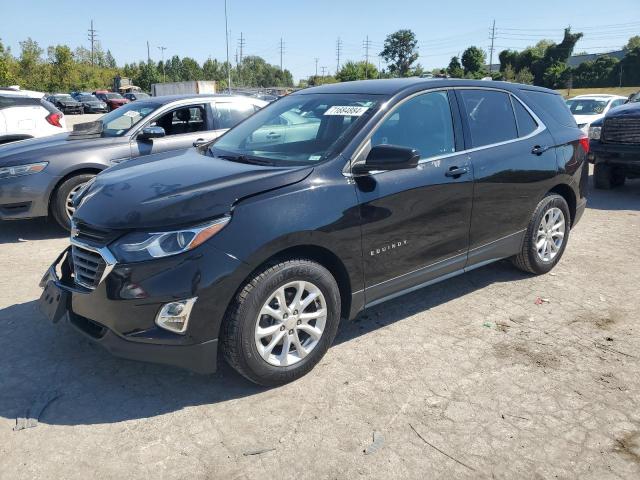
(473, 59)
(400, 52)
(630, 66)
(110, 62)
(191, 70)
(30, 66)
(356, 71)
(455, 68)
(633, 43)
(147, 75)
(524, 76)
(508, 73)
(7, 65)
(557, 75)
(62, 69)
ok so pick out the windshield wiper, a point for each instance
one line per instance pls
(246, 159)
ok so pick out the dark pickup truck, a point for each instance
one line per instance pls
(615, 146)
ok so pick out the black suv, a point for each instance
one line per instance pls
(615, 146)
(326, 202)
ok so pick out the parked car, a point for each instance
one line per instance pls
(133, 96)
(26, 114)
(63, 163)
(634, 97)
(589, 108)
(615, 146)
(66, 103)
(90, 103)
(260, 250)
(112, 99)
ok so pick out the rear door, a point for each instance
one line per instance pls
(415, 222)
(513, 162)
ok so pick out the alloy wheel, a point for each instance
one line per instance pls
(69, 208)
(550, 234)
(290, 323)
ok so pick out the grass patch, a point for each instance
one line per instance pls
(623, 91)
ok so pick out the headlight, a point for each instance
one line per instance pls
(20, 170)
(140, 246)
(594, 133)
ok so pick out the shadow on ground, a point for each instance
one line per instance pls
(39, 359)
(15, 231)
(626, 197)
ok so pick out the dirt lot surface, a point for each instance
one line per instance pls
(495, 374)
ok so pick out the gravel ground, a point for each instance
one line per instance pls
(495, 374)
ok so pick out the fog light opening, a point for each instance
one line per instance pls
(174, 316)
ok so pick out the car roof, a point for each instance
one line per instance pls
(164, 99)
(397, 85)
(10, 92)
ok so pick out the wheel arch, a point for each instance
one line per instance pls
(67, 176)
(566, 192)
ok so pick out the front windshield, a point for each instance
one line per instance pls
(587, 106)
(112, 96)
(118, 122)
(66, 98)
(87, 98)
(298, 129)
(141, 95)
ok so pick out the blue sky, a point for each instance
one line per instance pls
(310, 29)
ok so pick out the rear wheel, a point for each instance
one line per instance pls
(602, 176)
(546, 236)
(62, 207)
(618, 179)
(282, 322)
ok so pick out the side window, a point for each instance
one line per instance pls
(228, 115)
(423, 123)
(188, 119)
(526, 123)
(553, 105)
(617, 103)
(490, 116)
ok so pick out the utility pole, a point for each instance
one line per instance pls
(226, 30)
(281, 52)
(620, 81)
(148, 53)
(317, 66)
(493, 38)
(241, 43)
(162, 49)
(338, 51)
(324, 69)
(367, 45)
(93, 34)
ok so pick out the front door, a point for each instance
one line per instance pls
(182, 125)
(415, 222)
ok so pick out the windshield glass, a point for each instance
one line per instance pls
(587, 106)
(298, 129)
(118, 122)
(112, 96)
(140, 95)
(87, 98)
(66, 98)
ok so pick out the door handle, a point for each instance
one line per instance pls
(273, 135)
(199, 142)
(456, 172)
(539, 150)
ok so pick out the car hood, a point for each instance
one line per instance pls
(48, 148)
(172, 189)
(627, 110)
(117, 100)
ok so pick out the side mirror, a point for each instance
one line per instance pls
(388, 157)
(149, 133)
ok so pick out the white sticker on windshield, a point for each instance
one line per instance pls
(132, 114)
(315, 157)
(346, 111)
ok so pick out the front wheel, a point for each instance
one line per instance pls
(546, 236)
(602, 176)
(62, 207)
(282, 322)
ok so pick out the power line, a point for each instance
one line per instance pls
(93, 35)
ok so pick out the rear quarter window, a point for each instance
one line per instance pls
(9, 101)
(553, 105)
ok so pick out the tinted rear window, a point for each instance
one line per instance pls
(552, 104)
(526, 123)
(17, 101)
(490, 116)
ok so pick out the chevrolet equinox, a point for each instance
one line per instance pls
(324, 203)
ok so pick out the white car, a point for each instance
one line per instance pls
(589, 108)
(26, 114)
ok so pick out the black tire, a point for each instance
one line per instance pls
(528, 260)
(237, 337)
(59, 198)
(602, 176)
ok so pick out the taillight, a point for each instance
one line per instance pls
(584, 143)
(54, 119)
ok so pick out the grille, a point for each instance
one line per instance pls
(622, 130)
(93, 235)
(88, 267)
